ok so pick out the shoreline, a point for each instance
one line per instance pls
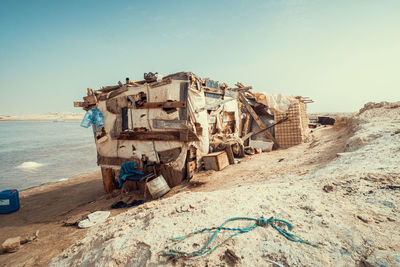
(51, 116)
(60, 183)
(55, 120)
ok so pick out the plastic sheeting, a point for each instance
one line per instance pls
(197, 100)
(275, 102)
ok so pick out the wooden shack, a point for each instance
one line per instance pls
(167, 124)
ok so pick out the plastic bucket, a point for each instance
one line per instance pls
(158, 187)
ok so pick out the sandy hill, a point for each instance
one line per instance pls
(339, 190)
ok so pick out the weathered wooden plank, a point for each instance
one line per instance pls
(106, 89)
(214, 90)
(108, 179)
(174, 104)
(79, 104)
(246, 88)
(170, 124)
(257, 119)
(114, 161)
(229, 153)
(161, 136)
(161, 83)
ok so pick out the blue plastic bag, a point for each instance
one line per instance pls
(93, 116)
(87, 120)
(98, 118)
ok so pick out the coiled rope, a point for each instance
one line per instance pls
(258, 222)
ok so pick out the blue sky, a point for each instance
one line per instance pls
(340, 53)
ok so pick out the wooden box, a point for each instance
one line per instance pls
(216, 161)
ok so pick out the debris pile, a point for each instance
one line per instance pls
(171, 127)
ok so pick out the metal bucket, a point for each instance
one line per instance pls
(158, 187)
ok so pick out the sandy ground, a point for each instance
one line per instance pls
(354, 223)
(51, 116)
(44, 208)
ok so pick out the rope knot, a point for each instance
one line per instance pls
(261, 221)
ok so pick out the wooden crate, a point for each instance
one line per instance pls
(216, 161)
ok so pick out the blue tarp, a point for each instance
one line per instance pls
(129, 172)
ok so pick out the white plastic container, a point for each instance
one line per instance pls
(158, 187)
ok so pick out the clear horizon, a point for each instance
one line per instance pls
(342, 54)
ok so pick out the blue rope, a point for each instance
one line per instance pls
(258, 222)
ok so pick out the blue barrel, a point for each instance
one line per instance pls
(9, 201)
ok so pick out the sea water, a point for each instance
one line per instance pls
(37, 152)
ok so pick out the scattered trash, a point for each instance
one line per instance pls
(280, 160)
(248, 150)
(230, 257)
(121, 204)
(391, 187)
(327, 188)
(303, 173)
(363, 218)
(94, 218)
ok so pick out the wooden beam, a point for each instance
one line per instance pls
(240, 88)
(214, 90)
(175, 104)
(161, 83)
(79, 104)
(160, 136)
(114, 161)
(257, 119)
(108, 179)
